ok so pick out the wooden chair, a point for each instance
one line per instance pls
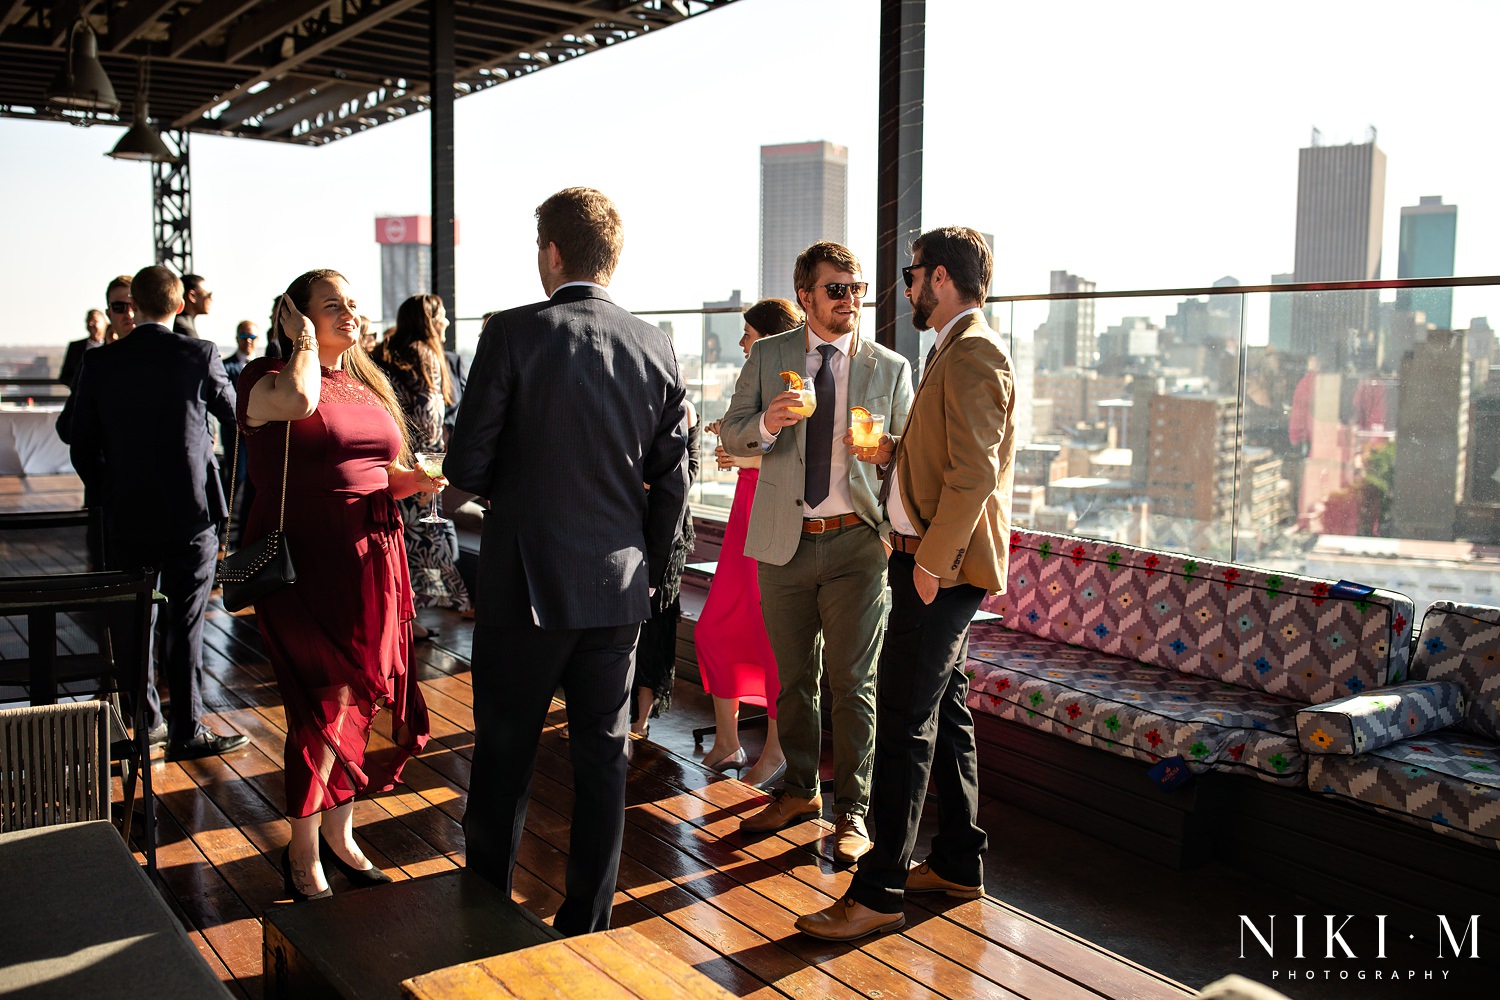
(117, 600)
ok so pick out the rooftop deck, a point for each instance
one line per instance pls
(688, 880)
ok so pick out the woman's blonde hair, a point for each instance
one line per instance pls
(356, 361)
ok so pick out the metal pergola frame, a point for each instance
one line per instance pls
(316, 71)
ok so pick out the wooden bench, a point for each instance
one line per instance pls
(611, 964)
(362, 944)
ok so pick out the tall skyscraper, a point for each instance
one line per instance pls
(1340, 212)
(1432, 434)
(1428, 232)
(1280, 320)
(1069, 337)
(803, 199)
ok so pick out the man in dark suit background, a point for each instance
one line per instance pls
(97, 325)
(197, 298)
(141, 444)
(246, 336)
(573, 427)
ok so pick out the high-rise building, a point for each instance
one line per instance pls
(1280, 334)
(803, 199)
(1432, 432)
(1340, 212)
(1069, 338)
(1428, 233)
(1193, 442)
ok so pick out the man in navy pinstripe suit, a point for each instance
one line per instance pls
(573, 426)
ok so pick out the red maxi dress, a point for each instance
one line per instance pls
(339, 639)
(734, 654)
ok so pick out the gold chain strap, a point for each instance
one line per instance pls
(234, 471)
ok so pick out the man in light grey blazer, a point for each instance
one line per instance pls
(817, 531)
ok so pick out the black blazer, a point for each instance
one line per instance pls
(73, 359)
(140, 433)
(573, 407)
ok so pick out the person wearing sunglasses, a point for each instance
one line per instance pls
(948, 477)
(141, 445)
(816, 530)
(196, 299)
(121, 309)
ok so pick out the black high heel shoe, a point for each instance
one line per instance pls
(358, 877)
(292, 892)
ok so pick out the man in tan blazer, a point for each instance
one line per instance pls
(949, 483)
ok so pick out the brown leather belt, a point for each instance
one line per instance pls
(905, 543)
(819, 525)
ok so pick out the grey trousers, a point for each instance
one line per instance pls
(825, 612)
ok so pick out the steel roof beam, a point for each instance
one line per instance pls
(202, 21)
(350, 29)
(132, 21)
(269, 24)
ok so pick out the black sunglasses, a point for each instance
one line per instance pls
(906, 272)
(120, 308)
(839, 290)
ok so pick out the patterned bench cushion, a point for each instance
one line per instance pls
(1304, 639)
(1461, 643)
(1448, 782)
(1132, 709)
(1366, 722)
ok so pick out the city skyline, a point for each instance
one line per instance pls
(1142, 209)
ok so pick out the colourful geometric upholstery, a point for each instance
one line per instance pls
(1461, 643)
(1447, 781)
(1132, 709)
(1151, 654)
(1364, 723)
(1302, 638)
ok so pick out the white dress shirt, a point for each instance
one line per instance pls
(838, 500)
(895, 506)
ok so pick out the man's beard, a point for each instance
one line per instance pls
(921, 309)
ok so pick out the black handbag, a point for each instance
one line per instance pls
(262, 566)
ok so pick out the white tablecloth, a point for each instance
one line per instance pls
(29, 444)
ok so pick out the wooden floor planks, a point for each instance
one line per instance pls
(688, 880)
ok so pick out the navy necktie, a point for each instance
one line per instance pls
(820, 431)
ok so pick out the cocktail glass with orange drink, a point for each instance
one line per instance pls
(807, 399)
(866, 430)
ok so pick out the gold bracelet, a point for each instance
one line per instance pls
(306, 344)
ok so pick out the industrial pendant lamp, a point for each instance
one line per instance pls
(142, 141)
(82, 84)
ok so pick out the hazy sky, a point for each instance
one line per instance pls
(1141, 145)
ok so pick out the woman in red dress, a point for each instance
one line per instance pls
(734, 655)
(339, 639)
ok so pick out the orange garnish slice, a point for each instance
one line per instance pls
(859, 414)
(792, 380)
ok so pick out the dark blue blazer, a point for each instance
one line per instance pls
(141, 441)
(573, 408)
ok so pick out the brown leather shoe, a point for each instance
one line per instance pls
(850, 839)
(785, 810)
(923, 879)
(847, 920)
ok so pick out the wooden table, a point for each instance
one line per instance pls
(611, 964)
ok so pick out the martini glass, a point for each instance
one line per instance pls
(431, 463)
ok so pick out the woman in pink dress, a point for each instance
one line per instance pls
(734, 655)
(339, 638)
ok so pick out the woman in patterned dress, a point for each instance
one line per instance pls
(412, 358)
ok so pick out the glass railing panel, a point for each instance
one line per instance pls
(1370, 441)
